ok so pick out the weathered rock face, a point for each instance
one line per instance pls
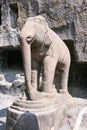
(66, 18)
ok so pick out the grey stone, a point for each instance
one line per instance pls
(19, 80)
(45, 114)
(66, 18)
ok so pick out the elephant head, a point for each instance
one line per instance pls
(33, 34)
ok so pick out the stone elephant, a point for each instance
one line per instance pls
(43, 50)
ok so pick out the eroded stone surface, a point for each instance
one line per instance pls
(66, 18)
(71, 115)
(47, 113)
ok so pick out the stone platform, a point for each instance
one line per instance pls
(44, 114)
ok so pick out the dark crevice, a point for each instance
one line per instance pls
(70, 45)
(34, 6)
(78, 75)
(12, 59)
(78, 71)
(13, 14)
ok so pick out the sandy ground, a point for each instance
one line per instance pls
(71, 116)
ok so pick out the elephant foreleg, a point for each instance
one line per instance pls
(35, 74)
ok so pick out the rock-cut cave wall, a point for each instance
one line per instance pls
(67, 18)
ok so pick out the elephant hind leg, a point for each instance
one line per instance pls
(64, 72)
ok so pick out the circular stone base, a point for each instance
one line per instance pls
(36, 105)
(44, 114)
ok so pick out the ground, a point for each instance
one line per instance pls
(71, 116)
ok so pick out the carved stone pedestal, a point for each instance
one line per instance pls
(44, 114)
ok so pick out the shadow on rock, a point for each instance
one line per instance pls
(78, 92)
(27, 121)
(3, 113)
(2, 125)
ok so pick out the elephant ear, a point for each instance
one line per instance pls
(47, 41)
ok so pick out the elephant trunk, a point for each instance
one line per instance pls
(26, 55)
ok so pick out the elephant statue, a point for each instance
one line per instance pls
(43, 51)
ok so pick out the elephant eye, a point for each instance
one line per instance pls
(29, 39)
